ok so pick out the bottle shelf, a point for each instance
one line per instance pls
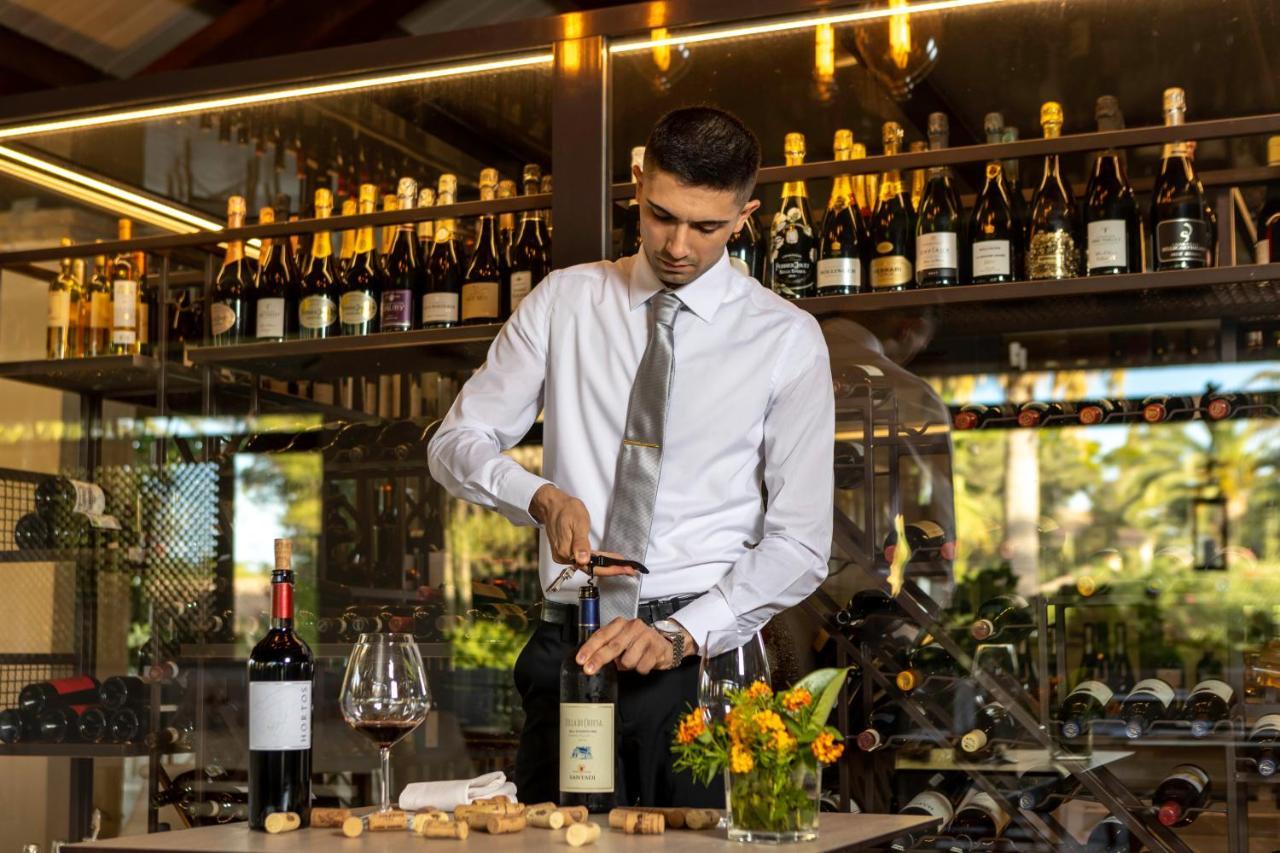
(48, 555)
(114, 376)
(74, 750)
(1015, 761)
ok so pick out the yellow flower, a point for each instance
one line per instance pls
(691, 727)
(740, 760)
(768, 721)
(737, 727)
(825, 748)
(783, 743)
(794, 700)
(759, 690)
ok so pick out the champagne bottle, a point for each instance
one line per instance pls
(1151, 699)
(1086, 703)
(979, 816)
(426, 229)
(1179, 211)
(841, 248)
(993, 228)
(78, 323)
(631, 216)
(275, 296)
(1113, 230)
(281, 672)
(1209, 703)
(318, 290)
(402, 268)
(232, 289)
(1012, 176)
(441, 301)
(892, 225)
(530, 256)
(1264, 739)
(506, 223)
(1053, 246)
(347, 245)
(1268, 220)
(58, 325)
(1181, 795)
(544, 186)
(939, 217)
(390, 204)
(864, 188)
(1004, 618)
(98, 294)
(483, 285)
(746, 249)
(362, 284)
(793, 253)
(587, 715)
(917, 175)
(124, 297)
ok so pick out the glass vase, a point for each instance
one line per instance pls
(775, 805)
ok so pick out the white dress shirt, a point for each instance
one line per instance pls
(750, 403)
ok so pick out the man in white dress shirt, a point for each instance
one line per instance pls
(741, 524)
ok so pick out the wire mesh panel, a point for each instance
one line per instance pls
(17, 671)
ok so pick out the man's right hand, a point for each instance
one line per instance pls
(567, 523)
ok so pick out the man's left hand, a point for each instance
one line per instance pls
(632, 644)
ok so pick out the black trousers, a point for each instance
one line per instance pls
(649, 709)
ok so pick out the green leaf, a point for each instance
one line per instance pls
(825, 686)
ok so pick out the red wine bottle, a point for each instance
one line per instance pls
(1150, 700)
(17, 726)
(93, 725)
(1162, 409)
(1035, 413)
(976, 416)
(1180, 797)
(991, 725)
(883, 725)
(1005, 618)
(1263, 740)
(1111, 835)
(587, 719)
(60, 692)
(61, 724)
(1086, 703)
(1208, 704)
(281, 671)
(979, 816)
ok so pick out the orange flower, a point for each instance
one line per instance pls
(691, 727)
(737, 727)
(783, 743)
(759, 690)
(825, 748)
(767, 721)
(797, 698)
(740, 760)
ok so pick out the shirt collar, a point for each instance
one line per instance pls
(702, 296)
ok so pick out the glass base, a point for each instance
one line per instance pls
(759, 836)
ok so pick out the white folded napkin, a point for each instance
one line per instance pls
(448, 794)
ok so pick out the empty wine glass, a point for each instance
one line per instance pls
(738, 660)
(384, 694)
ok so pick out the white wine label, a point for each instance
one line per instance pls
(89, 498)
(839, 273)
(221, 317)
(124, 304)
(1182, 241)
(1218, 688)
(100, 311)
(939, 250)
(1191, 774)
(440, 308)
(480, 299)
(931, 529)
(983, 801)
(586, 747)
(59, 309)
(1154, 687)
(1108, 244)
(270, 318)
(741, 266)
(1262, 251)
(1266, 723)
(892, 271)
(357, 307)
(934, 804)
(521, 284)
(100, 521)
(316, 312)
(1097, 690)
(279, 715)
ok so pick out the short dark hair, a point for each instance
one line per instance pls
(705, 147)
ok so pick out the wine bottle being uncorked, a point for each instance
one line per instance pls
(587, 714)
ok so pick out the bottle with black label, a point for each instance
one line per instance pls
(892, 225)
(994, 235)
(484, 292)
(631, 217)
(1012, 174)
(1179, 211)
(938, 238)
(402, 270)
(1114, 241)
(1150, 701)
(793, 253)
(318, 290)
(746, 249)
(1087, 702)
(1053, 244)
(530, 257)
(441, 301)
(362, 283)
(1181, 796)
(840, 251)
(588, 703)
(1264, 744)
(275, 296)
(1268, 221)
(1209, 703)
(233, 288)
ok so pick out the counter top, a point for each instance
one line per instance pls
(836, 832)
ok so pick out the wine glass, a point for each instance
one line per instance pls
(384, 694)
(739, 661)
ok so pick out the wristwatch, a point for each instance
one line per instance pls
(673, 634)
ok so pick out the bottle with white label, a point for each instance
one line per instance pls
(441, 300)
(1264, 738)
(281, 672)
(58, 335)
(1151, 700)
(124, 297)
(484, 291)
(979, 816)
(996, 241)
(936, 801)
(275, 296)
(362, 283)
(530, 257)
(842, 247)
(1180, 212)
(587, 719)
(1113, 230)
(938, 221)
(318, 290)
(1209, 703)
(97, 292)
(892, 225)
(1269, 214)
(1086, 703)
(233, 288)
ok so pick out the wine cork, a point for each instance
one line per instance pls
(574, 814)
(278, 822)
(634, 822)
(553, 819)
(479, 820)
(580, 834)
(500, 798)
(674, 817)
(387, 821)
(284, 554)
(329, 818)
(445, 829)
(701, 818)
(537, 808)
(502, 825)
(353, 827)
(424, 818)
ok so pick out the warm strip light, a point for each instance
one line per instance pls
(795, 24)
(213, 104)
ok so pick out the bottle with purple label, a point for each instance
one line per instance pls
(402, 272)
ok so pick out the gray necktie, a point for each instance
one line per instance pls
(635, 482)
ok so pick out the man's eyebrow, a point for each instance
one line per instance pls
(716, 223)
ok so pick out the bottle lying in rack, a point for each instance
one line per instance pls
(992, 725)
(1209, 703)
(1151, 700)
(1111, 835)
(927, 660)
(1167, 409)
(927, 541)
(979, 816)
(1181, 796)
(1035, 413)
(937, 800)
(1263, 745)
(976, 416)
(1005, 618)
(886, 725)
(1044, 789)
(1098, 411)
(865, 606)
(59, 693)
(1089, 701)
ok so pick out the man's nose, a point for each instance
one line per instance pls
(678, 244)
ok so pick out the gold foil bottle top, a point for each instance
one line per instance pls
(793, 145)
(857, 151)
(1051, 113)
(390, 202)
(891, 134)
(506, 189)
(406, 192)
(426, 197)
(532, 172)
(235, 205)
(266, 216)
(324, 201)
(993, 126)
(939, 130)
(124, 228)
(447, 184)
(637, 156)
(918, 145)
(1175, 99)
(1273, 151)
(842, 144)
(349, 207)
(489, 177)
(284, 555)
(368, 193)
(1107, 112)
(546, 184)
(65, 241)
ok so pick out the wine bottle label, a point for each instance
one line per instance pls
(316, 312)
(279, 715)
(440, 308)
(983, 802)
(397, 310)
(586, 747)
(741, 266)
(1190, 774)
(124, 311)
(838, 273)
(522, 283)
(89, 498)
(1182, 241)
(1156, 688)
(1262, 251)
(1218, 688)
(1268, 725)
(59, 309)
(1108, 244)
(222, 317)
(270, 320)
(100, 311)
(480, 299)
(891, 271)
(938, 250)
(1052, 254)
(1099, 691)
(357, 307)
(992, 257)
(933, 803)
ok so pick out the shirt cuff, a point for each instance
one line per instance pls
(516, 491)
(708, 613)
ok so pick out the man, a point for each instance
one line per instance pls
(688, 425)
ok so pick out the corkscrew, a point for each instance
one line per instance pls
(595, 561)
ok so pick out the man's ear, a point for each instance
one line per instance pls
(747, 209)
(638, 174)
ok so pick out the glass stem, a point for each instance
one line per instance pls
(385, 754)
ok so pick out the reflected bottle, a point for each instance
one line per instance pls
(98, 294)
(124, 293)
(530, 258)
(506, 223)
(1269, 214)
(233, 288)
(401, 269)
(276, 291)
(318, 290)
(1113, 230)
(441, 301)
(746, 249)
(1013, 182)
(840, 251)
(892, 225)
(1179, 212)
(58, 327)
(631, 216)
(938, 221)
(362, 284)
(483, 291)
(1053, 245)
(793, 252)
(426, 228)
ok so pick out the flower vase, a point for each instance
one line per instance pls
(775, 805)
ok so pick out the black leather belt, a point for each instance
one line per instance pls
(650, 611)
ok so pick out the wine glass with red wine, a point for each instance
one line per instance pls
(384, 694)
